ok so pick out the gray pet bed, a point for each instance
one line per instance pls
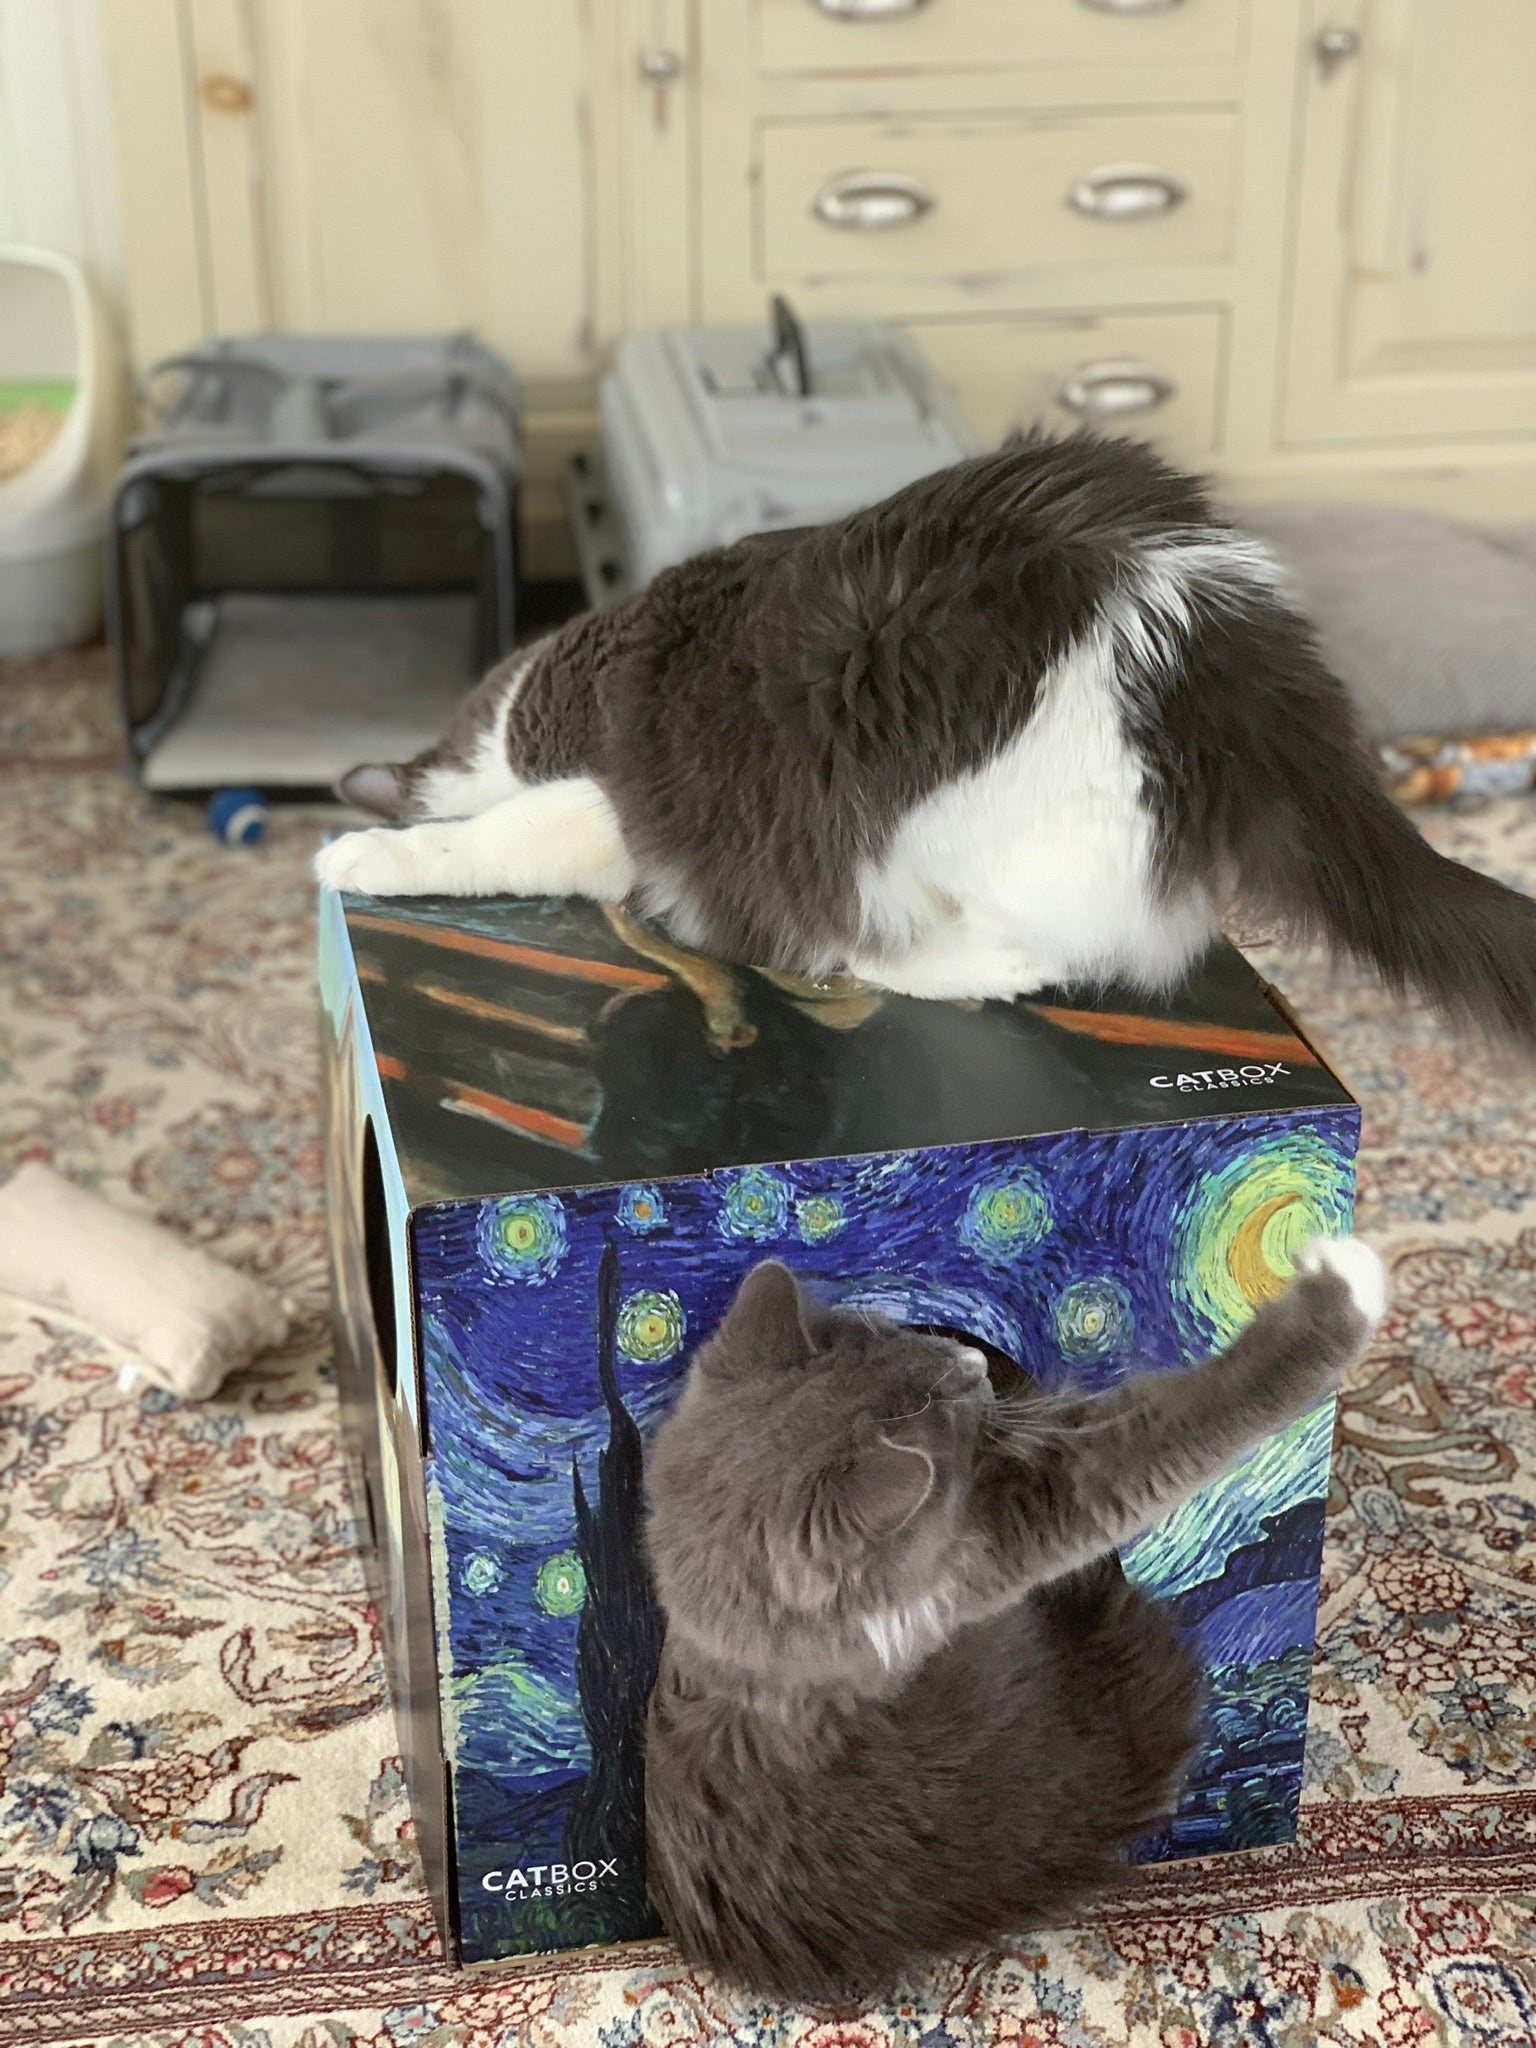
(1431, 623)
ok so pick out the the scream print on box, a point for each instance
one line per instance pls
(558, 1143)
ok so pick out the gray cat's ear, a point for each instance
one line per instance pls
(377, 786)
(770, 1321)
(886, 1486)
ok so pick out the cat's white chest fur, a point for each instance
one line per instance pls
(1036, 869)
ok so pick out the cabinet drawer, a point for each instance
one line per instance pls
(951, 35)
(1155, 376)
(965, 198)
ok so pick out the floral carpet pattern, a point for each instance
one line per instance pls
(203, 1837)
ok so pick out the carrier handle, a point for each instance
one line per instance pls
(789, 340)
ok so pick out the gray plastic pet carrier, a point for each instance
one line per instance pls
(712, 433)
(311, 553)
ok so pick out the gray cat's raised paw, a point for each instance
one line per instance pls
(1357, 1266)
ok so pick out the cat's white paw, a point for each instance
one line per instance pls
(979, 975)
(374, 862)
(1005, 977)
(1357, 1266)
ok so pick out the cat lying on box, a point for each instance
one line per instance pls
(1027, 722)
(907, 1701)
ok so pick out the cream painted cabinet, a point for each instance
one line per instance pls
(1288, 241)
(1070, 203)
(1413, 312)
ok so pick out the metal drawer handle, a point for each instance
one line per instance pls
(867, 10)
(1115, 388)
(1127, 192)
(1131, 6)
(871, 200)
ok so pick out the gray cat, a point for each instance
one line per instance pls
(907, 1702)
(1027, 722)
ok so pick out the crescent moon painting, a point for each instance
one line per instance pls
(1238, 1230)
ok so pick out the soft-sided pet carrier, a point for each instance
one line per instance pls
(311, 554)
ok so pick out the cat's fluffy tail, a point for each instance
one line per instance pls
(1424, 922)
(1329, 852)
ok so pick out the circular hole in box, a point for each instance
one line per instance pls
(376, 1257)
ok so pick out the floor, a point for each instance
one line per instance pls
(203, 1837)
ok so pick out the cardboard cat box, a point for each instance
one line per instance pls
(557, 1143)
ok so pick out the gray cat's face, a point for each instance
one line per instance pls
(805, 1490)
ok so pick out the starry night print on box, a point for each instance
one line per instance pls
(556, 1144)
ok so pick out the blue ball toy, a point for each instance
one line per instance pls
(238, 816)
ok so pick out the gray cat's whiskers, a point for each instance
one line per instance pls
(911, 1414)
(1003, 1426)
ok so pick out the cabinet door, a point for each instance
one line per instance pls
(1413, 311)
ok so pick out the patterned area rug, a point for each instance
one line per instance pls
(203, 1839)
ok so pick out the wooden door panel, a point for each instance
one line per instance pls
(1413, 312)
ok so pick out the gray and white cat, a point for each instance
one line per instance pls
(907, 1702)
(1029, 721)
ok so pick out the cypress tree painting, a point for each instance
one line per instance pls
(618, 1642)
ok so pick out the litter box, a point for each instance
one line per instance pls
(311, 554)
(712, 433)
(60, 434)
